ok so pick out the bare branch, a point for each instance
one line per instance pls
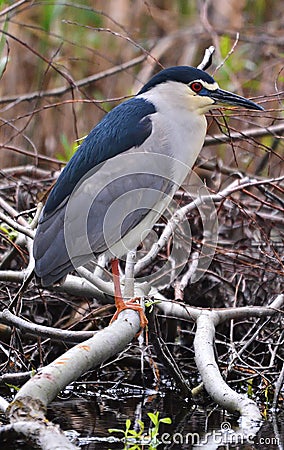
(12, 212)
(278, 387)
(3, 404)
(229, 53)
(55, 334)
(40, 434)
(72, 285)
(180, 214)
(182, 311)
(20, 228)
(103, 286)
(129, 275)
(250, 133)
(78, 84)
(12, 7)
(214, 384)
(45, 385)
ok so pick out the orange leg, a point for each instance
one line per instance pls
(120, 303)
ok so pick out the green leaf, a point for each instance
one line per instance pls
(151, 303)
(132, 432)
(250, 388)
(154, 417)
(225, 45)
(12, 386)
(69, 149)
(166, 420)
(115, 430)
(127, 424)
(141, 425)
(11, 233)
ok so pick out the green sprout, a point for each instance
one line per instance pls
(9, 231)
(250, 388)
(69, 150)
(154, 432)
(151, 303)
(135, 438)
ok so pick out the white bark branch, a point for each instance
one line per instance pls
(274, 130)
(43, 435)
(100, 284)
(3, 404)
(31, 401)
(44, 386)
(46, 332)
(182, 311)
(214, 384)
(20, 228)
(72, 285)
(128, 292)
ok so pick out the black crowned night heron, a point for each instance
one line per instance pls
(125, 173)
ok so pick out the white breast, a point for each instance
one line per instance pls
(176, 122)
(176, 140)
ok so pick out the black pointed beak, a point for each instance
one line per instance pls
(228, 98)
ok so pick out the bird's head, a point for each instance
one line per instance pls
(193, 88)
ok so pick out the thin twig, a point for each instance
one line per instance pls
(250, 133)
(14, 6)
(229, 53)
(278, 387)
(103, 286)
(80, 83)
(129, 275)
(55, 334)
(180, 214)
(20, 228)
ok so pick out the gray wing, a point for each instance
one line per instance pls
(123, 193)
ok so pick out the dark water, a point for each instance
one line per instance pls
(89, 417)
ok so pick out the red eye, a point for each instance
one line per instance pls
(196, 86)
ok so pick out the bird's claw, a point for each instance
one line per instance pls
(131, 304)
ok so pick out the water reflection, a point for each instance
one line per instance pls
(94, 412)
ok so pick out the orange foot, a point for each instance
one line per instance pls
(121, 305)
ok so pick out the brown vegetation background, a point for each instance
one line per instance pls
(49, 45)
